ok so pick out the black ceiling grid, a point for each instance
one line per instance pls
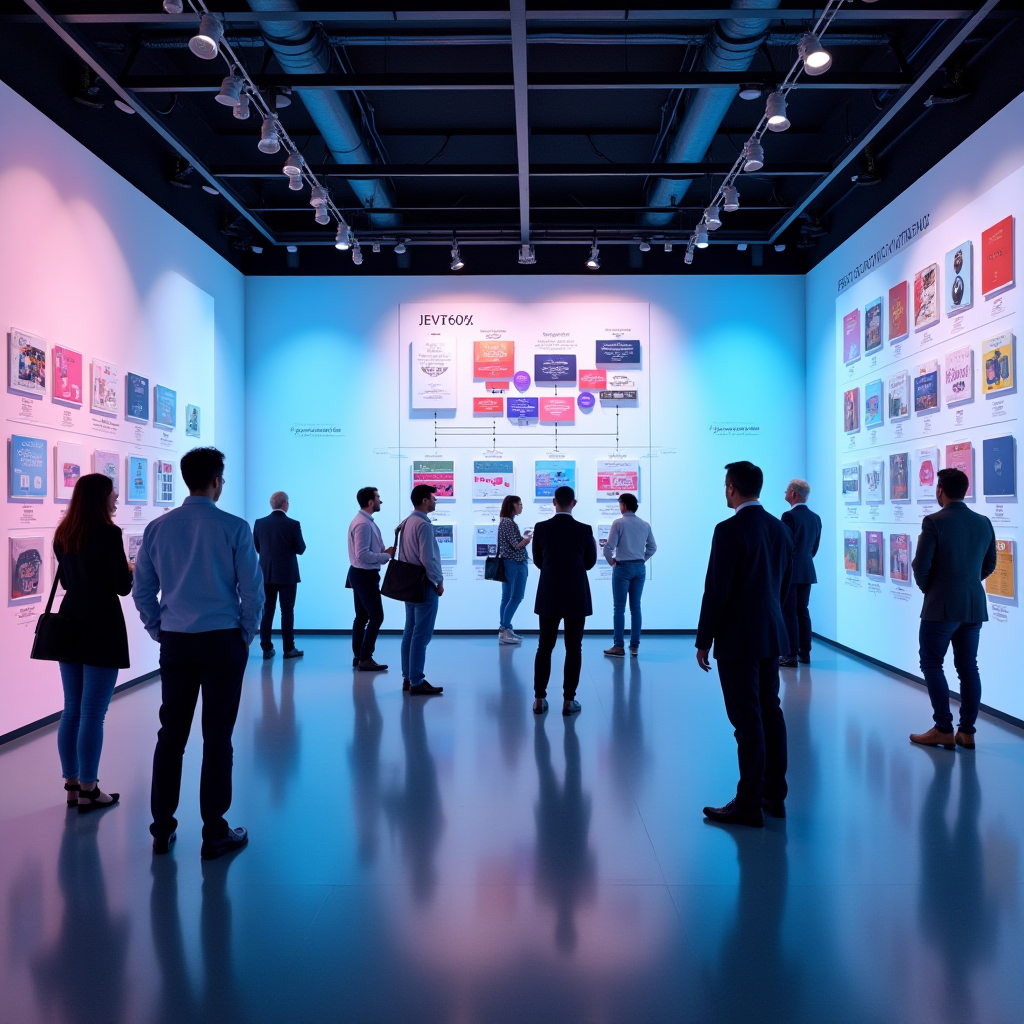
(434, 93)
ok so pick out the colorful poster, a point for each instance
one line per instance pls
(617, 477)
(105, 380)
(899, 477)
(585, 400)
(874, 481)
(136, 397)
(874, 403)
(958, 379)
(960, 455)
(851, 483)
(138, 480)
(998, 456)
(493, 478)
(997, 257)
(899, 320)
(997, 358)
(851, 551)
(559, 368)
(1002, 582)
(522, 408)
(485, 540)
(873, 326)
(593, 380)
(899, 396)
(26, 561)
(27, 460)
(618, 396)
(874, 564)
(601, 532)
(557, 410)
(851, 411)
(926, 469)
(959, 264)
(926, 297)
(926, 386)
(494, 359)
(165, 407)
(68, 464)
(438, 473)
(549, 476)
(163, 490)
(26, 363)
(488, 406)
(444, 534)
(899, 557)
(618, 351)
(851, 336)
(192, 421)
(134, 543)
(433, 373)
(109, 464)
(67, 375)
(521, 380)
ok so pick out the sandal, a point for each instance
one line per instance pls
(72, 787)
(92, 804)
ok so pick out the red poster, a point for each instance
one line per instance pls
(494, 360)
(899, 321)
(997, 256)
(497, 385)
(488, 405)
(558, 410)
(851, 336)
(593, 380)
(67, 375)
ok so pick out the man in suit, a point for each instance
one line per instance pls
(564, 551)
(955, 552)
(805, 526)
(279, 540)
(747, 583)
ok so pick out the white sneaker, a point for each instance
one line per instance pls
(514, 637)
(504, 637)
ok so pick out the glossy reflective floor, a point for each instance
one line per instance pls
(458, 860)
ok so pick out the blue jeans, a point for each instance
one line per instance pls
(627, 581)
(934, 638)
(87, 692)
(419, 628)
(512, 590)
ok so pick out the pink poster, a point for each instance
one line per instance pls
(558, 410)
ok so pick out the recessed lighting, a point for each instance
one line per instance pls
(125, 108)
(258, 249)
(213, 191)
(780, 248)
(292, 248)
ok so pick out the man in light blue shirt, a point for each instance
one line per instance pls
(199, 591)
(630, 543)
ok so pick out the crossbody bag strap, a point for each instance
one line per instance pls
(398, 540)
(53, 590)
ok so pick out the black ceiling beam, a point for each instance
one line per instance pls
(586, 208)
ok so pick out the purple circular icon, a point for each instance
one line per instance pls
(585, 400)
(521, 380)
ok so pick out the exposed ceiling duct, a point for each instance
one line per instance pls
(730, 46)
(302, 48)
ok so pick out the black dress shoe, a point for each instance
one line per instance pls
(234, 840)
(371, 666)
(162, 844)
(734, 814)
(425, 689)
(774, 808)
(787, 662)
(294, 653)
(268, 652)
(804, 659)
(355, 663)
(571, 707)
(405, 685)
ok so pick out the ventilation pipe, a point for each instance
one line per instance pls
(730, 46)
(302, 48)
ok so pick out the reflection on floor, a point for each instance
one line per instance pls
(458, 859)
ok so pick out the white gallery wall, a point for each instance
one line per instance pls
(89, 264)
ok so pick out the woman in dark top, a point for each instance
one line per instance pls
(512, 549)
(93, 571)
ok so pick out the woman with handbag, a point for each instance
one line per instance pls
(93, 645)
(512, 551)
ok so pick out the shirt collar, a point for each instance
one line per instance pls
(363, 512)
(198, 499)
(624, 514)
(747, 504)
(281, 510)
(417, 512)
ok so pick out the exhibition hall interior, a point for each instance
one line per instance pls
(430, 266)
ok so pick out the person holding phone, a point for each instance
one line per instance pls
(512, 550)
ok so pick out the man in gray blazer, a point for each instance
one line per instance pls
(955, 552)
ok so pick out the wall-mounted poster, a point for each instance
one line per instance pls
(874, 556)
(26, 562)
(960, 455)
(138, 480)
(192, 421)
(997, 358)
(444, 534)
(1002, 582)
(485, 540)
(494, 360)
(558, 410)
(997, 257)
(134, 543)
(487, 406)
(522, 408)
(873, 326)
(27, 363)
(618, 350)
(926, 469)
(548, 476)
(851, 336)
(851, 551)
(617, 477)
(899, 396)
(926, 386)
(438, 473)
(899, 317)
(67, 375)
(601, 532)
(958, 380)
(874, 481)
(959, 264)
(874, 403)
(851, 411)
(163, 489)
(899, 477)
(899, 557)
(593, 380)
(557, 368)
(165, 407)
(109, 464)
(433, 373)
(106, 379)
(926, 297)
(136, 397)
(1000, 469)
(68, 466)
(27, 460)
(493, 478)
(851, 483)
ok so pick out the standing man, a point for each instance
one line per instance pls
(366, 553)
(199, 592)
(955, 552)
(630, 543)
(746, 586)
(805, 526)
(564, 551)
(419, 546)
(278, 541)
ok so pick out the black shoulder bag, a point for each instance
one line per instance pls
(54, 639)
(404, 581)
(494, 569)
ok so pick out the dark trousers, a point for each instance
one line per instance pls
(798, 619)
(934, 639)
(287, 594)
(573, 655)
(751, 691)
(365, 584)
(213, 662)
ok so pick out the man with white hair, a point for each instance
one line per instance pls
(279, 540)
(805, 526)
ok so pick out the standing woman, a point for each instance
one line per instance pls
(512, 549)
(93, 570)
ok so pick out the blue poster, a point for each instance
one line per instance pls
(138, 475)
(165, 407)
(136, 398)
(522, 408)
(618, 351)
(1000, 466)
(28, 467)
(558, 369)
(549, 476)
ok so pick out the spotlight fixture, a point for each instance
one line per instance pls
(400, 249)
(645, 246)
(317, 196)
(730, 199)
(280, 97)
(125, 108)
(230, 90)
(295, 183)
(376, 246)
(292, 166)
(205, 44)
(594, 259)
(780, 247)
(173, 7)
(688, 258)
(343, 239)
(457, 261)
(668, 247)
(750, 91)
(742, 247)
(817, 60)
(242, 110)
(753, 155)
(775, 111)
(713, 217)
(270, 140)
(701, 238)
(292, 248)
(210, 190)
(357, 255)
(322, 215)
(527, 255)
(258, 249)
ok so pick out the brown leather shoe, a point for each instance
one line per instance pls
(965, 740)
(934, 738)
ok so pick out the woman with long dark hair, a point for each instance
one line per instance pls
(93, 571)
(512, 550)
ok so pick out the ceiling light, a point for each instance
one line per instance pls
(780, 248)
(242, 110)
(292, 248)
(645, 246)
(457, 261)
(292, 166)
(713, 217)
(750, 91)
(701, 237)
(730, 199)
(125, 108)
(688, 258)
(594, 259)
(400, 249)
(376, 246)
(753, 155)
(211, 190)
(173, 7)
(230, 90)
(317, 196)
(527, 255)
(206, 42)
(357, 255)
(280, 97)
(817, 60)
(322, 215)
(343, 239)
(295, 183)
(742, 247)
(258, 249)
(270, 141)
(668, 247)
(775, 111)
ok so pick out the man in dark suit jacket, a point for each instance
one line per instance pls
(741, 614)
(805, 526)
(279, 540)
(564, 551)
(955, 552)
